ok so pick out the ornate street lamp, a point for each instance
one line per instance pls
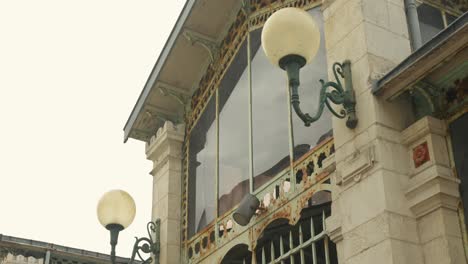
(116, 211)
(291, 39)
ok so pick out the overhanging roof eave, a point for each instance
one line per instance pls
(426, 50)
(168, 46)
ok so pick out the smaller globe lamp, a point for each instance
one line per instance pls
(116, 211)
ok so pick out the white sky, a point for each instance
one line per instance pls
(70, 73)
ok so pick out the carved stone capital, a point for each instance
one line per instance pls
(432, 184)
(422, 128)
(165, 145)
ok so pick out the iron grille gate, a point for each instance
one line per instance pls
(305, 243)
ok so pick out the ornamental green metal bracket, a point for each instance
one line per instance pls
(148, 245)
(333, 92)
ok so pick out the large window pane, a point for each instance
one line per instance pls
(202, 160)
(306, 138)
(430, 21)
(270, 115)
(234, 133)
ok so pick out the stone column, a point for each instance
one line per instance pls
(371, 219)
(165, 150)
(433, 192)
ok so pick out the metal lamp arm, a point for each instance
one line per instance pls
(305, 116)
(338, 95)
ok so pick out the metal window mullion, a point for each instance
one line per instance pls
(312, 235)
(272, 252)
(327, 253)
(301, 241)
(444, 17)
(291, 247)
(325, 240)
(217, 165)
(249, 69)
(291, 142)
(263, 256)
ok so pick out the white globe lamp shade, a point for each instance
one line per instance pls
(116, 207)
(290, 31)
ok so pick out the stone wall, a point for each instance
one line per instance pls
(165, 150)
(378, 215)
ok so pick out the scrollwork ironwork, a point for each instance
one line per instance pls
(148, 245)
(330, 91)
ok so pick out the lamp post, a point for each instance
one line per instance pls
(116, 211)
(291, 39)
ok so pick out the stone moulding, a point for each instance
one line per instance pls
(355, 166)
(432, 184)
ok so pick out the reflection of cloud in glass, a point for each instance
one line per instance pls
(309, 93)
(269, 110)
(202, 161)
(270, 129)
(234, 132)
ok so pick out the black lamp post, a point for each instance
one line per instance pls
(116, 211)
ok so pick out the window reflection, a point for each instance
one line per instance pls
(269, 115)
(202, 160)
(234, 133)
(270, 130)
(306, 138)
(270, 109)
(430, 21)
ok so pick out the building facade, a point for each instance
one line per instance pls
(15, 250)
(217, 121)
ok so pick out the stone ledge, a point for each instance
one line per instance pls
(432, 192)
(423, 127)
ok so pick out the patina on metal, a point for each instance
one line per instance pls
(147, 245)
(277, 199)
(329, 91)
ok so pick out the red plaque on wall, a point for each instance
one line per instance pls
(420, 154)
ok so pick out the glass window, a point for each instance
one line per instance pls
(202, 160)
(270, 109)
(306, 138)
(430, 21)
(269, 115)
(234, 133)
(270, 130)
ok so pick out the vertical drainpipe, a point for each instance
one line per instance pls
(47, 257)
(413, 23)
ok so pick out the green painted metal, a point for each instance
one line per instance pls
(294, 249)
(147, 245)
(285, 204)
(114, 230)
(333, 92)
